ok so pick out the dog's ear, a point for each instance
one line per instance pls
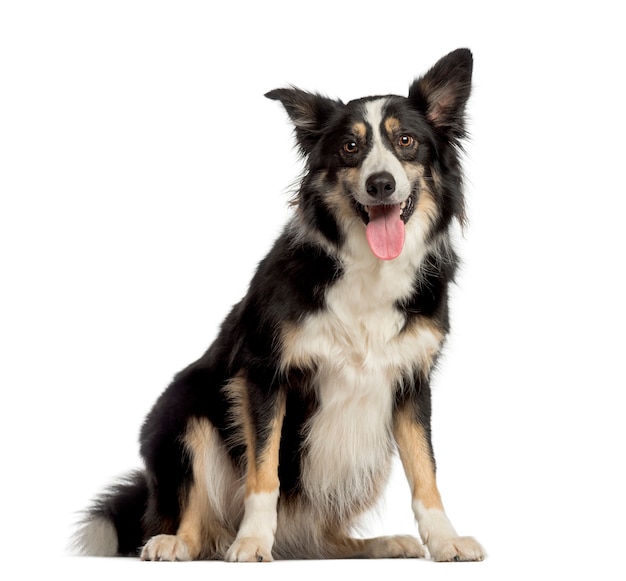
(441, 94)
(309, 112)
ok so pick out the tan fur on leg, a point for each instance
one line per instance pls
(255, 537)
(438, 534)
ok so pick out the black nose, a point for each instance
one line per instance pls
(380, 185)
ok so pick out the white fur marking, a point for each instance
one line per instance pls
(256, 533)
(443, 542)
(260, 516)
(433, 523)
(380, 158)
(165, 548)
(97, 537)
(361, 353)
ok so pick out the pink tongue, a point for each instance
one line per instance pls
(385, 231)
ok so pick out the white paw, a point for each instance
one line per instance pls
(249, 550)
(456, 549)
(396, 547)
(165, 548)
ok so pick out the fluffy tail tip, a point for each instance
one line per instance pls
(96, 537)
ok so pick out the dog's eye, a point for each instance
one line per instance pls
(405, 140)
(350, 147)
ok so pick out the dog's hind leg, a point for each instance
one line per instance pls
(210, 502)
(414, 445)
(261, 431)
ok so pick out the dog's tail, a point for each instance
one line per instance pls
(113, 524)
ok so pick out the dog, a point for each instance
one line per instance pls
(276, 441)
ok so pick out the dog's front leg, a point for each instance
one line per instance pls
(412, 433)
(255, 536)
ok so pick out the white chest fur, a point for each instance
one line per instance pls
(360, 350)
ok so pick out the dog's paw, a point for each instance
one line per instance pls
(165, 548)
(456, 549)
(249, 550)
(396, 547)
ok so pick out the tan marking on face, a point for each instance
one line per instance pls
(417, 460)
(392, 126)
(341, 208)
(414, 171)
(350, 177)
(427, 208)
(360, 130)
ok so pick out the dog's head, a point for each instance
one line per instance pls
(384, 160)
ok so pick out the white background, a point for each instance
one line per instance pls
(143, 175)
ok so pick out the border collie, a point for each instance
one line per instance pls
(282, 434)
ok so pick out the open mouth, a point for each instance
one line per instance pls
(406, 208)
(384, 226)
